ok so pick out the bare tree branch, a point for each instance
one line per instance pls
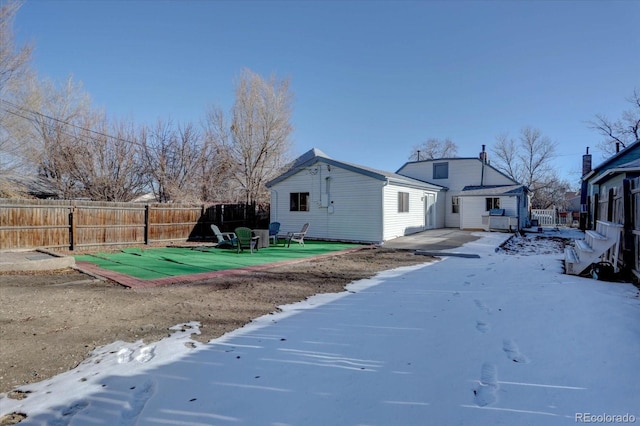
(257, 138)
(434, 148)
(623, 131)
(528, 160)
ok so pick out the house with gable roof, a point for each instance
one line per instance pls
(349, 202)
(475, 191)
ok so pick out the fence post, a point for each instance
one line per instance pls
(147, 207)
(72, 228)
(202, 222)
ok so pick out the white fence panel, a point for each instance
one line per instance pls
(545, 217)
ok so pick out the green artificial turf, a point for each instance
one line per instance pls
(153, 263)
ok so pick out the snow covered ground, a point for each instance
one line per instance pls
(506, 338)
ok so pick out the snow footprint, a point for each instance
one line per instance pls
(482, 306)
(146, 354)
(485, 393)
(124, 355)
(141, 394)
(513, 352)
(482, 326)
(67, 414)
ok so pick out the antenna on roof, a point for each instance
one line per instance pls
(418, 155)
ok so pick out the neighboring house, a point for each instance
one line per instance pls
(603, 179)
(475, 188)
(348, 202)
(572, 201)
(610, 206)
(571, 209)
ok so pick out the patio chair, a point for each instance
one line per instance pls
(245, 239)
(297, 236)
(274, 228)
(224, 239)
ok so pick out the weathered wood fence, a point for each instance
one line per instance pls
(622, 205)
(76, 224)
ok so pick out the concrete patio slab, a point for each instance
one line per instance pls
(433, 240)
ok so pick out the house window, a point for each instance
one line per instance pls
(493, 203)
(455, 204)
(403, 202)
(299, 202)
(440, 170)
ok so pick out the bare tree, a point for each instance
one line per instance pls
(257, 137)
(14, 72)
(173, 161)
(433, 148)
(528, 160)
(58, 111)
(76, 148)
(106, 160)
(217, 168)
(622, 132)
(14, 61)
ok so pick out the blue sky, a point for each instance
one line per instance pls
(371, 78)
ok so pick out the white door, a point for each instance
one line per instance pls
(429, 211)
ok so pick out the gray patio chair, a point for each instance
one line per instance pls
(297, 236)
(224, 239)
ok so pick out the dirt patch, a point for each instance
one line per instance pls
(50, 322)
(528, 245)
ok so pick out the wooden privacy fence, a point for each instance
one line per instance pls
(622, 205)
(74, 224)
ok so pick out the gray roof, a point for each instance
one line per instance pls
(632, 152)
(435, 160)
(630, 167)
(494, 190)
(315, 155)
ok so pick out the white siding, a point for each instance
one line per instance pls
(397, 224)
(462, 172)
(471, 211)
(474, 208)
(350, 211)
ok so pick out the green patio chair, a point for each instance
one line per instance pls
(245, 239)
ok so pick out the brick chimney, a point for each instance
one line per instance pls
(586, 163)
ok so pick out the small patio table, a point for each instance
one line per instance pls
(263, 242)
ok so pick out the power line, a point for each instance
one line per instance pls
(66, 123)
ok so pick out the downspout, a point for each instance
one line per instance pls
(382, 228)
(482, 159)
(274, 197)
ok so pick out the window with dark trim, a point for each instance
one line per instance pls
(299, 202)
(455, 204)
(403, 202)
(493, 203)
(440, 170)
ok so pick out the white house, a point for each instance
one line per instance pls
(475, 189)
(349, 202)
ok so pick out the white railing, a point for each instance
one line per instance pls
(545, 217)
